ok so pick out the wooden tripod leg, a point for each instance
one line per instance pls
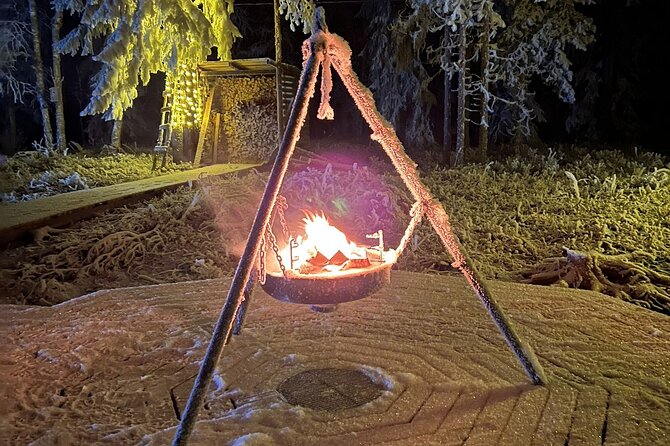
(383, 132)
(242, 310)
(524, 353)
(241, 278)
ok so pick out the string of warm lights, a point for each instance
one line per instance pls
(186, 93)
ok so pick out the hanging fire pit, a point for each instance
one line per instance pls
(324, 267)
(326, 51)
(324, 289)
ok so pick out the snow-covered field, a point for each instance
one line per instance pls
(115, 367)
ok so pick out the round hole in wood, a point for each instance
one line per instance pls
(330, 389)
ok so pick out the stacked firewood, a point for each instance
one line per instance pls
(319, 263)
(249, 116)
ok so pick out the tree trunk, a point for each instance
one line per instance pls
(116, 134)
(468, 98)
(483, 106)
(460, 118)
(38, 66)
(446, 123)
(56, 24)
(277, 18)
(281, 119)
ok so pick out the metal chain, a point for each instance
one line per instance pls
(261, 256)
(275, 248)
(281, 206)
(417, 214)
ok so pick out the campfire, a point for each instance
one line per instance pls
(323, 267)
(325, 250)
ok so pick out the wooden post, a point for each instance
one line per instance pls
(483, 106)
(277, 20)
(215, 145)
(203, 128)
(446, 119)
(38, 66)
(279, 97)
(56, 23)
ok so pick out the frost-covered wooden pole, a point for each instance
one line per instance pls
(340, 57)
(461, 112)
(240, 279)
(38, 66)
(485, 56)
(56, 24)
(277, 19)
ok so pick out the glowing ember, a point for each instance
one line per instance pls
(324, 248)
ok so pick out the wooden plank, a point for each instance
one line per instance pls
(203, 128)
(588, 419)
(556, 419)
(523, 420)
(494, 417)
(57, 210)
(402, 336)
(215, 146)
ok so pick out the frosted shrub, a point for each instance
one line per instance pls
(359, 200)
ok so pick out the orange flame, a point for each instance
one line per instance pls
(327, 239)
(321, 237)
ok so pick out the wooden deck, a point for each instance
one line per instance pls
(117, 366)
(20, 218)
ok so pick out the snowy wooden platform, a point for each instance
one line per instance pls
(20, 218)
(116, 366)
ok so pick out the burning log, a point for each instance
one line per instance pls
(356, 263)
(339, 262)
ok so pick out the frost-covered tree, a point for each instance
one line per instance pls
(515, 43)
(15, 69)
(299, 14)
(397, 78)
(144, 37)
(486, 72)
(534, 46)
(454, 21)
(15, 52)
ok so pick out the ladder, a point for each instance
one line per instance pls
(164, 132)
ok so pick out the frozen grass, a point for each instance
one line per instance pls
(511, 215)
(30, 175)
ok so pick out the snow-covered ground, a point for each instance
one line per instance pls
(115, 367)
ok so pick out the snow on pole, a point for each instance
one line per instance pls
(242, 310)
(315, 54)
(382, 131)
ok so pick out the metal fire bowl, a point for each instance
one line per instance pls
(328, 288)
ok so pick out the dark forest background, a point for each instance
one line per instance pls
(621, 89)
